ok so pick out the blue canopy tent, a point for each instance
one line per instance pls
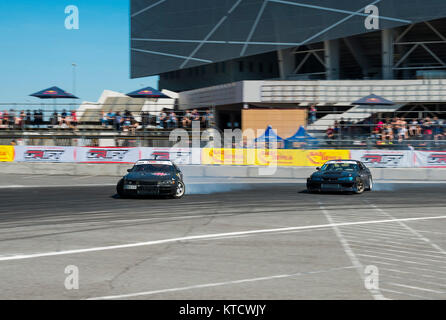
(53, 93)
(270, 136)
(373, 100)
(301, 138)
(148, 93)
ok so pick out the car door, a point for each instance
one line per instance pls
(365, 174)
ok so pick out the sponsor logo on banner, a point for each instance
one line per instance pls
(430, 159)
(177, 155)
(279, 157)
(317, 158)
(437, 159)
(43, 155)
(106, 154)
(384, 159)
(6, 153)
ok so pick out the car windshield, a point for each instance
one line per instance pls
(341, 166)
(153, 168)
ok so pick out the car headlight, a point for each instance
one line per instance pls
(166, 182)
(130, 182)
(316, 178)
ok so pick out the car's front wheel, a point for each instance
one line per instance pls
(370, 187)
(180, 191)
(120, 189)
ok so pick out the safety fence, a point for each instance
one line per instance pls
(231, 157)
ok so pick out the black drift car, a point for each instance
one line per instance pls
(341, 175)
(152, 178)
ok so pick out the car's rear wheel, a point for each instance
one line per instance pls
(181, 190)
(360, 186)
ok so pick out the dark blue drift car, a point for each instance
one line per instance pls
(152, 178)
(341, 175)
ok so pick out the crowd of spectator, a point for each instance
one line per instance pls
(119, 121)
(26, 119)
(21, 119)
(166, 119)
(397, 129)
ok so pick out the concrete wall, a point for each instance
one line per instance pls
(71, 169)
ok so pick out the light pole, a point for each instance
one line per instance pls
(74, 79)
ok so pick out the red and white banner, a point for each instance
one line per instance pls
(430, 159)
(107, 155)
(179, 156)
(384, 158)
(44, 154)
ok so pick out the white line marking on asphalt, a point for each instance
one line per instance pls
(435, 246)
(389, 244)
(216, 284)
(384, 235)
(381, 237)
(415, 288)
(432, 232)
(414, 252)
(424, 269)
(400, 260)
(204, 237)
(376, 230)
(416, 280)
(402, 256)
(376, 294)
(415, 273)
(406, 294)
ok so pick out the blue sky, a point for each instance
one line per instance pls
(37, 51)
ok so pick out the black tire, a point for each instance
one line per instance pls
(370, 187)
(120, 189)
(359, 186)
(181, 191)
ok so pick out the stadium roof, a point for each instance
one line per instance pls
(168, 35)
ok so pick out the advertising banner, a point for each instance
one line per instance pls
(44, 154)
(316, 158)
(430, 159)
(264, 157)
(107, 155)
(6, 153)
(180, 156)
(228, 156)
(384, 158)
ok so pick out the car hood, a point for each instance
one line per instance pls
(148, 176)
(333, 174)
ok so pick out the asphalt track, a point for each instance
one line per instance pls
(224, 240)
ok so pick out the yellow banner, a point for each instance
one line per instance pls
(6, 153)
(316, 158)
(265, 157)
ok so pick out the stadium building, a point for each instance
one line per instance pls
(261, 62)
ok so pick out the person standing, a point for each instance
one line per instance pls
(313, 114)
